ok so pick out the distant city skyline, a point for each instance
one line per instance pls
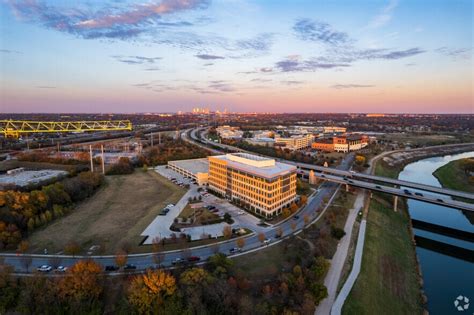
(244, 56)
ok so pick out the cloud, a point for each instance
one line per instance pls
(46, 87)
(136, 60)
(385, 15)
(292, 82)
(209, 57)
(110, 22)
(261, 80)
(8, 51)
(455, 53)
(266, 69)
(317, 31)
(208, 64)
(351, 86)
(308, 65)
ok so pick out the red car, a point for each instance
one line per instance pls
(194, 258)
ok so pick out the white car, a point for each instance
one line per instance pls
(170, 205)
(267, 241)
(44, 268)
(241, 212)
(61, 269)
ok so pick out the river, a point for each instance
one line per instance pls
(445, 277)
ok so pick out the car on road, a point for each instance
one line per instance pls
(61, 269)
(351, 181)
(194, 258)
(440, 200)
(419, 194)
(129, 267)
(177, 261)
(296, 217)
(378, 187)
(170, 205)
(44, 268)
(267, 241)
(111, 268)
(235, 250)
(407, 192)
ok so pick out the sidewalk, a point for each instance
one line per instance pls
(337, 263)
(346, 289)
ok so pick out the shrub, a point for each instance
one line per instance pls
(337, 233)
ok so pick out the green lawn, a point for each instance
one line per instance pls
(452, 176)
(388, 281)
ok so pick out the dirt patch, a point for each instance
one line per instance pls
(117, 213)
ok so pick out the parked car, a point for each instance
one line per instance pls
(241, 212)
(177, 261)
(44, 268)
(267, 241)
(129, 267)
(61, 269)
(111, 268)
(235, 250)
(194, 258)
(170, 205)
(296, 217)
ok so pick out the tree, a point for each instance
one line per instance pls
(72, 248)
(227, 218)
(195, 277)
(293, 226)
(286, 213)
(81, 283)
(306, 219)
(240, 242)
(227, 231)
(23, 247)
(121, 258)
(147, 292)
(261, 237)
(279, 232)
(293, 207)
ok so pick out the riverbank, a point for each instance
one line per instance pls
(452, 176)
(390, 269)
(389, 278)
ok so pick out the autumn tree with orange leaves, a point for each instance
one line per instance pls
(81, 283)
(147, 292)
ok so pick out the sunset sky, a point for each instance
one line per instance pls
(263, 56)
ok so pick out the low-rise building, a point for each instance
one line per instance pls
(295, 142)
(334, 129)
(197, 169)
(228, 132)
(264, 142)
(346, 143)
(261, 183)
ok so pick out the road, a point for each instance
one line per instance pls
(143, 261)
(362, 176)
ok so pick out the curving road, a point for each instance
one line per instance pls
(143, 261)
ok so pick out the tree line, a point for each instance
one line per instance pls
(22, 212)
(215, 288)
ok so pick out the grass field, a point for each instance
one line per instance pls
(452, 176)
(388, 281)
(117, 213)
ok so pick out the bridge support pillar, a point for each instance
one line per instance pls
(395, 203)
(347, 188)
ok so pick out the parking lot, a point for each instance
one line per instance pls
(160, 227)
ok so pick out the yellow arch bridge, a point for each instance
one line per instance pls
(15, 128)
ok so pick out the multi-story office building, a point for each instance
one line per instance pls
(295, 142)
(264, 185)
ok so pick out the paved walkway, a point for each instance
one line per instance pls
(337, 263)
(346, 289)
